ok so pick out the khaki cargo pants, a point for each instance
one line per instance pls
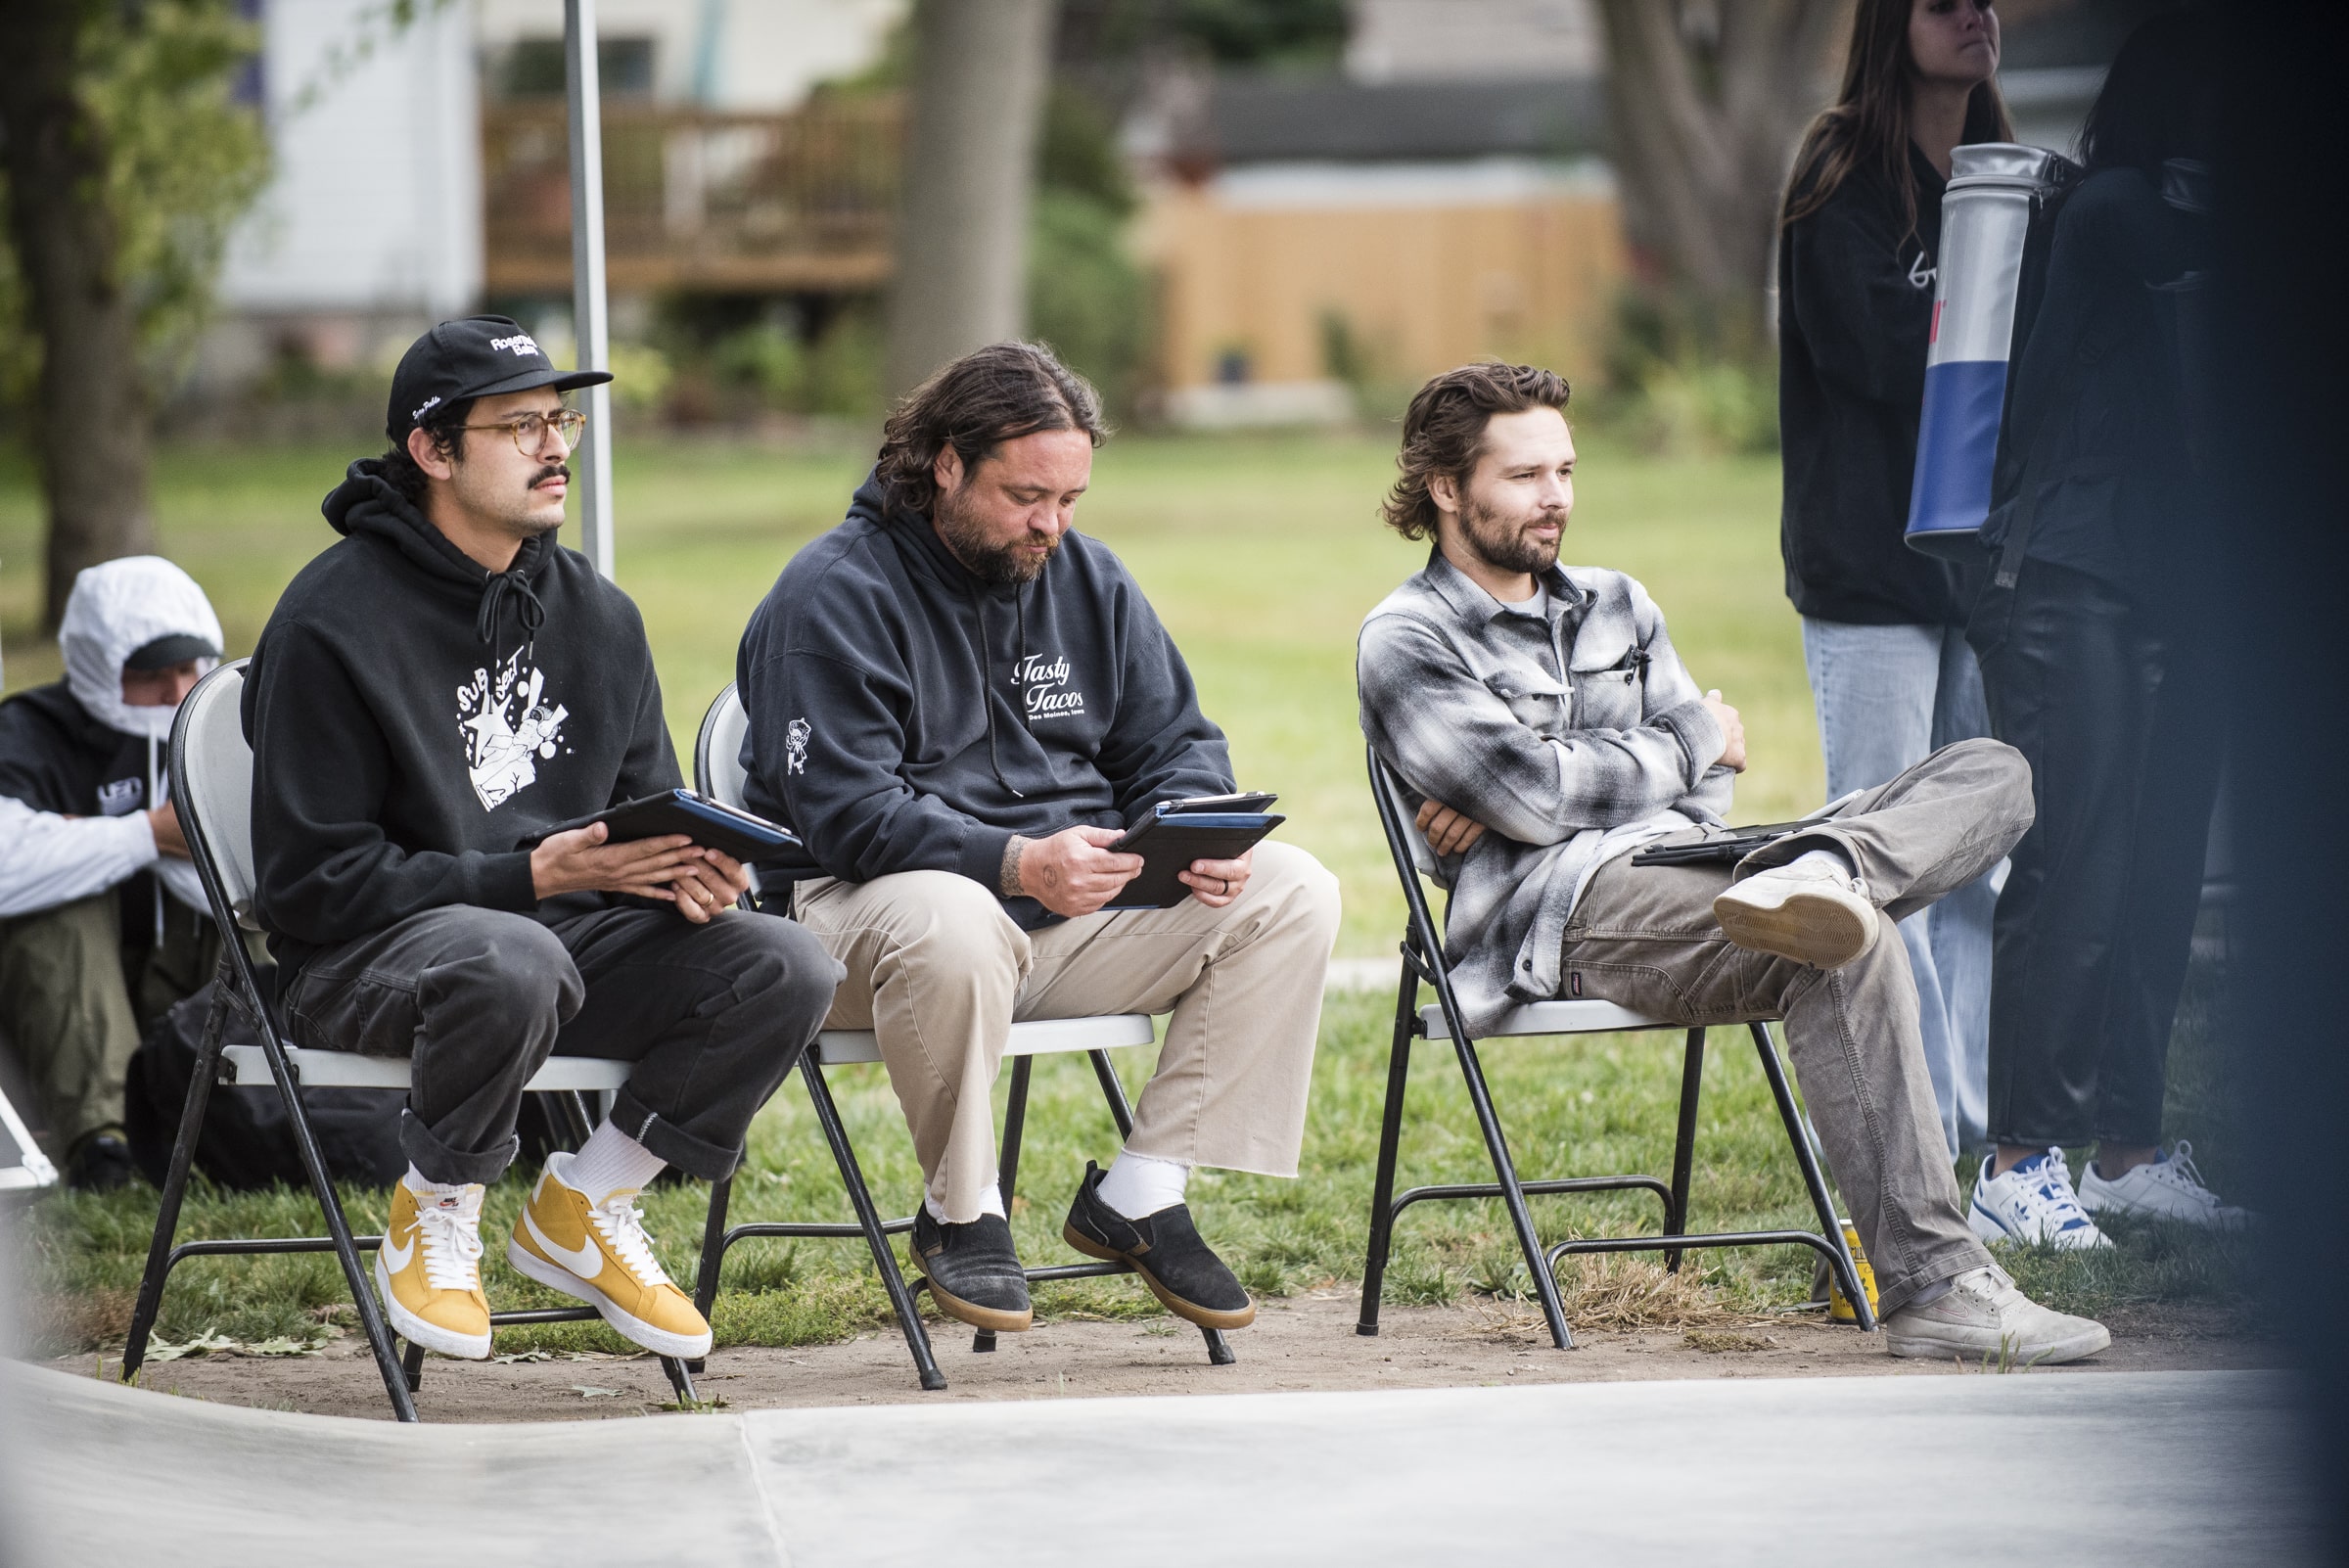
(73, 1010)
(939, 973)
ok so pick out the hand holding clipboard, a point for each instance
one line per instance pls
(1184, 849)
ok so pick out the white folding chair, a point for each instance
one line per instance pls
(1423, 959)
(211, 788)
(719, 774)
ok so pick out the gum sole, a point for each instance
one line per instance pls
(1188, 1312)
(993, 1319)
(1810, 930)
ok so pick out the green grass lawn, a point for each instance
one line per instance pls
(1261, 555)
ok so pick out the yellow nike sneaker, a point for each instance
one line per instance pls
(599, 1253)
(428, 1270)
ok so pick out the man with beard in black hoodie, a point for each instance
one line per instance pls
(959, 702)
(431, 695)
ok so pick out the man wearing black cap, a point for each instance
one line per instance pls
(102, 920)
(432, 694)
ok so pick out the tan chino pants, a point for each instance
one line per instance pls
(939, 973)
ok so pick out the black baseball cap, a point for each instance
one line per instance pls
(478, 357)
(165, 653)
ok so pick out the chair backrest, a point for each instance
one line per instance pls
(212, 789)
(717, 770)
(1407, 848)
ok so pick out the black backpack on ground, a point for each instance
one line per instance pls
(246, 1141)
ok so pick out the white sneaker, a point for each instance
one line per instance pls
(1813, 914)
(1982, 1313)
(2165, 1187)
(2032, 1204)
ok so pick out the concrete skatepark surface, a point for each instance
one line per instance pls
(2136, 1468)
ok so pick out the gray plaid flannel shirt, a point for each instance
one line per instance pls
(1563, 777)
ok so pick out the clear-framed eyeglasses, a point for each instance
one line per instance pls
(529, 429)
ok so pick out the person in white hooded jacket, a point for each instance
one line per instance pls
(103, 923)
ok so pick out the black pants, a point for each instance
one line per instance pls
(2117, 710)
(715, 1017)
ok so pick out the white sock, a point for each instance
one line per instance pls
(1138, 1185)
(990, 1202)
(425, 1186)
(610, 1162)
(1834, 860)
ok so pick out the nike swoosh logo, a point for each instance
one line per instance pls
(585, 1262)
(396, 1257)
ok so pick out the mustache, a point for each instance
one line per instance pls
(561, 471)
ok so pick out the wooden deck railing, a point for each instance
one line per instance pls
(692, 200)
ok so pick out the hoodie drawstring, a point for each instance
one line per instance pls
(527, 611)
(155, 778)
(987, 688)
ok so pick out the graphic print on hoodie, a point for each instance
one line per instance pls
(505, 726)
(415, 717)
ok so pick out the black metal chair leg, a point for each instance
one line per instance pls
(681, 1380)
(1813, 1179)
(412, 1367)
(1521, 1219)
(1007, 1163)
(578, 1121)
(338, 1225)
(1683, 1144)
(1114, 1091)
(1390, 1141)
(714, 1256)
(861, 1198)
(175, 1180)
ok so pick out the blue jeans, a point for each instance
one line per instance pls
(1888, 697)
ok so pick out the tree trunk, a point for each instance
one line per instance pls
(91, 421)
(1706, 102)
(979, 77)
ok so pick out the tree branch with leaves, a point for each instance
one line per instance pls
(127, 156)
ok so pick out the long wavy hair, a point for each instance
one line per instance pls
(1868, 125)
(989, 396)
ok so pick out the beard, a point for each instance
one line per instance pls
(1001, 566)
(1501, 542)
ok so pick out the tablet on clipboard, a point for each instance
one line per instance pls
(707, 822)
(1180, 832)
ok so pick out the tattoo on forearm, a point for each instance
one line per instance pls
(1009, 877)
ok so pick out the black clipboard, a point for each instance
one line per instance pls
(711, 825)
(1730, 847)
(1170, 840)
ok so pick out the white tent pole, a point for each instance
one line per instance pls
(591, 464)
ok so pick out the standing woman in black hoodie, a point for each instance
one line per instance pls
(2104, 667)
(1882, 625)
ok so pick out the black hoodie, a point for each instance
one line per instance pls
(906, 716)
(1855, 308)
(413, 718)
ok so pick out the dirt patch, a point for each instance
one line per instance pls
(1303, 1343)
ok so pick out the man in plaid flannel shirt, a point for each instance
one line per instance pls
(1543, 728)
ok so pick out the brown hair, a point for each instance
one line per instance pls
(1444, 431)
(989, 396)
(446, 426)
(1868, 125)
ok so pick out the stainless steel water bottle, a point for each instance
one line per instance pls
(1995, 188)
